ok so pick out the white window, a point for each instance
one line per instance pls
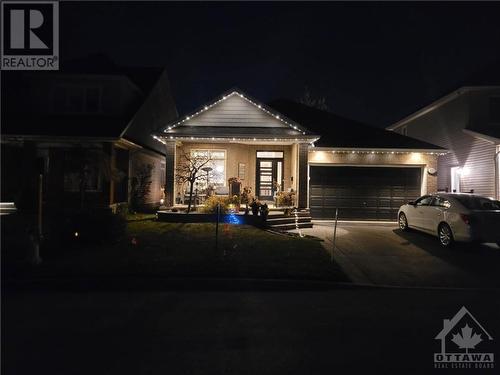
(270, 154)
(217, 175)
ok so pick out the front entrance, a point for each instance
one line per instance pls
(269, 176)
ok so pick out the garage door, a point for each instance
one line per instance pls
(361, 193)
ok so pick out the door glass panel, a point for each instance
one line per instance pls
(279, 177)
(266, 164)
(270, 154)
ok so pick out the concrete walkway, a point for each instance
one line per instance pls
(382, 254)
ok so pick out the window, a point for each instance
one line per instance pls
(441, 202)
(81, 164)
(217, 175)
(478, 203)
(404, 130)
(270, 154)
(424, 201)
(495, 110)
(74, 99)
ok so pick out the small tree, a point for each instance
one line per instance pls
(189, 171)
(140, 186)
(315, 102)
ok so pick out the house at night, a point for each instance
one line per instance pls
(467, 123)
(90, 124)
(328, 161)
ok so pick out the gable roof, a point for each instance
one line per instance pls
(24, 115)
(233, 115)
(438, 103)
(490, 134)
(450, 324)
(339, 132)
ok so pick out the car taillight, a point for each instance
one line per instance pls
(465, 218)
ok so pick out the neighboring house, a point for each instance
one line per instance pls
(88, 124)
(330, 162)
(467, 123)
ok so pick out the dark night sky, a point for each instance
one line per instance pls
(372, 62)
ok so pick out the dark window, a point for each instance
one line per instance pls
(478, 203)
(441, 202)
(73, 99)
(424, 201)
(495, 110)
(81, 166)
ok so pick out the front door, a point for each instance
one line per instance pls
(269, 177)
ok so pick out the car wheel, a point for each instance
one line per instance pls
(403, 222)
(445, 235)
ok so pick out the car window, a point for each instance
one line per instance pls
(441, 202)
(423, 201)
(478, 203)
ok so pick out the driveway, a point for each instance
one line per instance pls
(382, 254)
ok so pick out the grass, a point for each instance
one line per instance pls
(152, 248)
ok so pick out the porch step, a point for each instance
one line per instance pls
(282, 222)
(285, 227)
(288, 220)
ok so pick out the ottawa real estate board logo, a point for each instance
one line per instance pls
(463, 340)
(30, 35)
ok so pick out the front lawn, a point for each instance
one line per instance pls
(152, 248)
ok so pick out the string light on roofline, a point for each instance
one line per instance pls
(207, 107)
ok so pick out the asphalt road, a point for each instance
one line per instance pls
(382, 254)
(345, 331)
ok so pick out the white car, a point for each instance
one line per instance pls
(453, 217)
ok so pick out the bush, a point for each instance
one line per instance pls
(212, 202)
(286, 199)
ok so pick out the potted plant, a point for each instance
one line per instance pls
(264, 211)
(255, 207)
(246, 197)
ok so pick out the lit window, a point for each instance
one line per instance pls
(270, 154)
(216, 176)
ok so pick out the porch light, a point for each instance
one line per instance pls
(161, 201)
(76, 234)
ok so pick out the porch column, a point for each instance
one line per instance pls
(302, 182)
(169, 173)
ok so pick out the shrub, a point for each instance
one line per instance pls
(140, 186)
(285, 198)
(212, 202)
(246, 195)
